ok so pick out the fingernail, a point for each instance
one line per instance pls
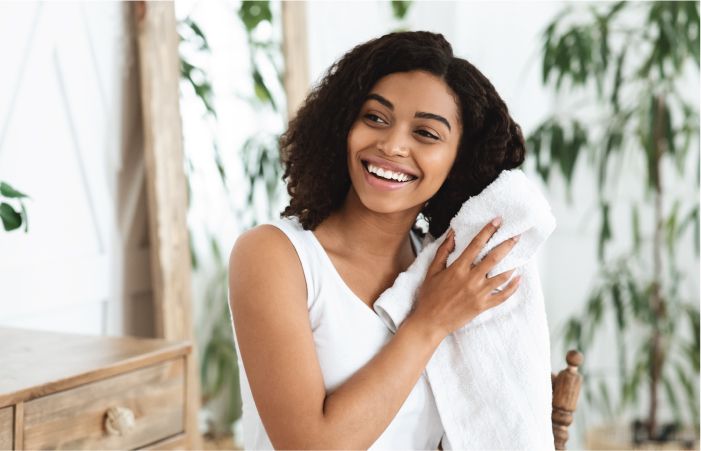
(517, 279)
(496, 221)
(516, 238)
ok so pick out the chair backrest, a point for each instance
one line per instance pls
(566, 386)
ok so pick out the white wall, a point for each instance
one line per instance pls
(70, 138)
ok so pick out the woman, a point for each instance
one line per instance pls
(398, 127)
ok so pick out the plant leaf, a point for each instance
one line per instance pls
(400, 8)
(254, 12)
(689, 391)
(11, 219)
(618, 306)
(8, 191)
(605, 230)
(635, 222)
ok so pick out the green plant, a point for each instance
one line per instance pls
(13, 217)
(260, 152)
(641, 115)
(218, 363)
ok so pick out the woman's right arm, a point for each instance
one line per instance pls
(268, 301)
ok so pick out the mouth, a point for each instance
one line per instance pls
(388, 177)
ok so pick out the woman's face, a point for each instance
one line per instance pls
(403, 143)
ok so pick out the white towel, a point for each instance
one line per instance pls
(491, 378)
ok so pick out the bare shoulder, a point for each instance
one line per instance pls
(271, 323)
(261, 242)
(265, 255)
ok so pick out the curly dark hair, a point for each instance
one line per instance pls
(313, 149)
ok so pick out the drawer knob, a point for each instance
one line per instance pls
(119, 420)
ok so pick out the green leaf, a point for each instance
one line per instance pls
(669, 131)
(193, 253)
(637, 302)
(573, 334)
(535, 145)
(694, 43)
(206, 363)
(204, 45)
(11, 219)
(604, 52)
(605, 230)
(557, 144)
(400, 8)
(569, 151)
(618, 306)
(253, 13)
(261, 90)
(595, 312)
(693, 315)
(615, 9)
(614, 138)
(641, 366)
(671, 228)
(9, 192)
(651, 145)
(635, 222)
(689, 391)
(618, 80)
(692, 218)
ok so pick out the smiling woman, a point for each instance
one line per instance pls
(403, 128)
(397, 128)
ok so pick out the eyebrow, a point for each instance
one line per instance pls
(420, 114)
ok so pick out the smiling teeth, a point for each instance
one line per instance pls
(387, 174)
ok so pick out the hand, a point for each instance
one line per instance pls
(451, 297)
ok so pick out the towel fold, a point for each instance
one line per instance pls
(491, 378)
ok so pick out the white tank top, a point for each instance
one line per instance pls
(347, 334)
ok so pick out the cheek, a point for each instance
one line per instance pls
(437, 164)
(357, 139)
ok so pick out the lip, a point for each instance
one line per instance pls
(384, 185)
(384, 164)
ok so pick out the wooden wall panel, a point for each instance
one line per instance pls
(295, 51)
(166, 185)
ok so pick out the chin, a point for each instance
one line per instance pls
(382, 204)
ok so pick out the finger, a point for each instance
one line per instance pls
(510, 289)
(498, 280)
(441, 258)
(464, 261)
(496, 255)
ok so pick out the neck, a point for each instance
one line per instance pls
(378, 236)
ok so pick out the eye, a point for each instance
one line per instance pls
(374, 118)
(427, 134)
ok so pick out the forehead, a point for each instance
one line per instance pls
(418, 91)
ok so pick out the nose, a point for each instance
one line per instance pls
(394, 143)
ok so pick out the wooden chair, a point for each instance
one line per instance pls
(566, 386)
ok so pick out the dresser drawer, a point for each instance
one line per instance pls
(130, 410)
(7, 425)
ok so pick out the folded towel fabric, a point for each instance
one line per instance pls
(491, 378)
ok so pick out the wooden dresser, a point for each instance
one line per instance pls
(60, 391)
